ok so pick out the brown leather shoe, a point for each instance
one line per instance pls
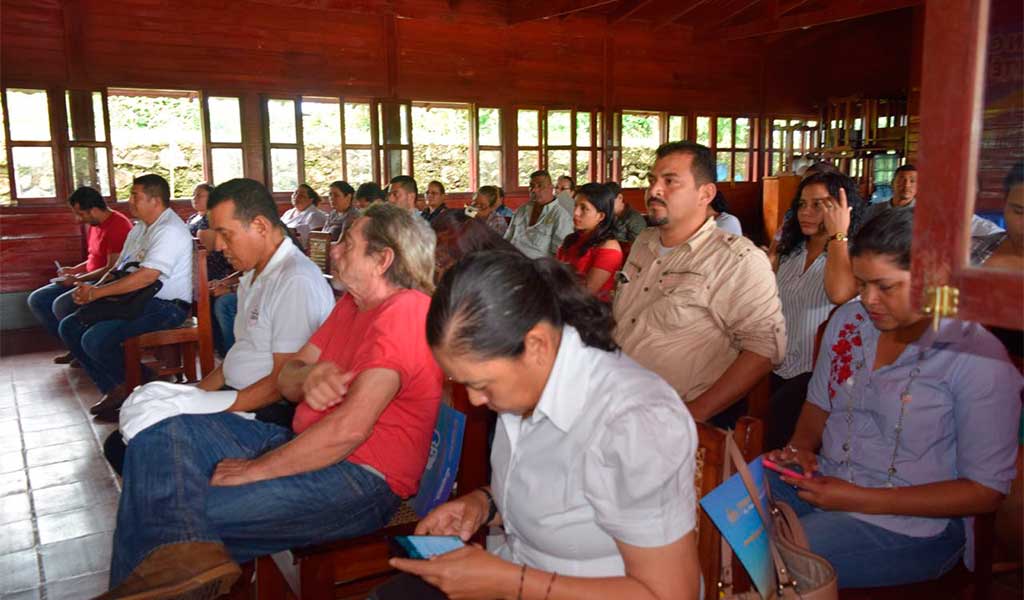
(63, 359)
(74, 364)
(185, 571)
(108, 406)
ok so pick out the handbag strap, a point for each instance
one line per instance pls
(781, 572)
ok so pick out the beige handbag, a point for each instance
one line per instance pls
(799, 572)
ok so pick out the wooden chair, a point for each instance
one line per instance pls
(320, 249)
(710, 473)
(177, 348)
(350, 568)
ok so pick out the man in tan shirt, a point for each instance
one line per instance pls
(695, 304)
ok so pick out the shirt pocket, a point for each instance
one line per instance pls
(629, 273)
(684, 296)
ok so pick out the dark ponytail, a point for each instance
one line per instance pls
(487, 303)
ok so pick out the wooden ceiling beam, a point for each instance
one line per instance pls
(735, 9)
(546, 9)
(692, 6)
(787, 7)
(626, 9)
(841, 10)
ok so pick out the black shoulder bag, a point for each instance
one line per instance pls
(124, 306)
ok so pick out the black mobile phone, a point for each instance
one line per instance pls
(423, 546)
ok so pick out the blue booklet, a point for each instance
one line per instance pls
(442, 463)
(730, 508)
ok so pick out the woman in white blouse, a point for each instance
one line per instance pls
(804, 271)
(593, 458)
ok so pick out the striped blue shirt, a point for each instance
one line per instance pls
(805, 306)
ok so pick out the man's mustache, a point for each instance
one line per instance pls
(654, 200)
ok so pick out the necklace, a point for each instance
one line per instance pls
(905, 398)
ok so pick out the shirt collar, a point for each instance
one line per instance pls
(282, 252)
(563, 397)
(699, 238)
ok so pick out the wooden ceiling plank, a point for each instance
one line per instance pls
(843, 10)
(546, 9)
(682, 13)
(626, 9)
(735, 9)
(788, 7)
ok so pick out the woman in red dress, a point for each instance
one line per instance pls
(592, 250)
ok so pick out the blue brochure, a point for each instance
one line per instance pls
(443, 462)
(730, 508)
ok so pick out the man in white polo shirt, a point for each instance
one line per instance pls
(158, 249)
(282, 299)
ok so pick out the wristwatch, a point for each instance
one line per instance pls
(838, 237)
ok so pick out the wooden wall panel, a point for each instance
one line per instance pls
(421, 50)
(32, 33)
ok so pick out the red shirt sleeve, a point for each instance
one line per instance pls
(607, 259)
(112, 238)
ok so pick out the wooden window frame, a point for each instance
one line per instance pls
(209, 145)
(375, 167)
(57, 144)
(107, 144)
(516, 147)
(269, 146)
(385, 147)
(951, 110)
(808, 143)
(753, 151)
(476, 147)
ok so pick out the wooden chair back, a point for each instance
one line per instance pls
(201, 310)
(320, 249)
(710, 473)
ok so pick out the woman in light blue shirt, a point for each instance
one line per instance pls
(905, 430)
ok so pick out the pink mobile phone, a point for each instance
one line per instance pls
(787, 471)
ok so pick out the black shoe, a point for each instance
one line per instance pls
(109, 405)
(64, 359)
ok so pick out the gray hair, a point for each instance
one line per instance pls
(410, 238)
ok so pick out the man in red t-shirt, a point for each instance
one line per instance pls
(202, 492)
(107, 232)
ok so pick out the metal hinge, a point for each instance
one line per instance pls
(941, 302)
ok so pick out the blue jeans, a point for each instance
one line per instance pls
(50, 304)
(167, 497)
(98, 346)
(865, 555)
(224, 310)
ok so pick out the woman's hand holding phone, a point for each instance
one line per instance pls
(462, 517)
(807, 460)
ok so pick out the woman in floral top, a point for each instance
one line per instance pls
(906, 428)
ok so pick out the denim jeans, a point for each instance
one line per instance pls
(50, 304)
(224, 310)
(167, 497)
(865, 555)
(98, 346)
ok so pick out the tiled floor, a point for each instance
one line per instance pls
(58, 496)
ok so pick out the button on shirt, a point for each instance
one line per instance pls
(165, 246)
(805, 306)
(278, 312)
(960, 423)
(544, 237)
(607, 454)
(687, 314)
